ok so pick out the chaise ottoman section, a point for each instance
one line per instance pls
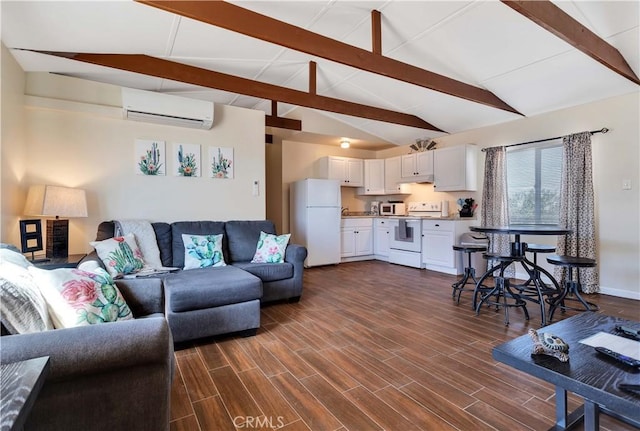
(212, 301)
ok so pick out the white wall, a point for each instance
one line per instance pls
(13, 149)
(89, 145)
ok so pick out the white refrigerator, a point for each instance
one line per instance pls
(314, 219)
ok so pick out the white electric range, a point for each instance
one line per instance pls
(405, 242)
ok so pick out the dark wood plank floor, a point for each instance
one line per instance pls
(371, 346)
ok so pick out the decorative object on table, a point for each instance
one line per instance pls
(466, 207)
(423, 145)
(187, 159)
(31, 238)
(550, 345)
(221, 159)
(58, 202)
(150, 157)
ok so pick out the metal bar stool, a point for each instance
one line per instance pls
(469, 271)
(534, 289)
(502, 287)
(571, 287)
(535, 249)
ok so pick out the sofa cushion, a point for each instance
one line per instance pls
(80, 298)
(267, 271)
(163, 236)
(203, 288)
(120, 255)
(192, 228)
(202, 251)
(242, 238)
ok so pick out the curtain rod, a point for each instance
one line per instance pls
(603, 130)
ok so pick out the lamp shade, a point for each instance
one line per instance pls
(55, 201)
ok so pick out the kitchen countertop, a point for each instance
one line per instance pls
(454, 218)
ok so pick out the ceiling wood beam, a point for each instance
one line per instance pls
(174, 71)
(313, 77)
(249, 23)
(376, 32)
(555, 20)
(281, 123)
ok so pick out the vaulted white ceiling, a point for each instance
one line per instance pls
(482, 43)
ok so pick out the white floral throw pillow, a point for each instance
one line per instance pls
(201, 251)
(271, 248)
(120, 255)
(80, 298)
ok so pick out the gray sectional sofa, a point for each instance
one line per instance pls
(219, 300)
(112, 376)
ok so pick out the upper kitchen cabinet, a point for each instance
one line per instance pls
(373, 177)
(456, 168)
(347, 170)
(393, 178)
(417, 167)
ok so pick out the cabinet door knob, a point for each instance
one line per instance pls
(437, 225)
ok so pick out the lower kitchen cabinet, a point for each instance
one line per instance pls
(357, 237)
(381, 239)
(438, 239)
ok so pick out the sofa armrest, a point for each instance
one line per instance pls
(295, 254)
(94, 349)
(91, 261)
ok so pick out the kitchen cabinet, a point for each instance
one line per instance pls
(347, 170)
(381, 238)
(356, 237)
(373, 177)
(417, 167)
(393, 179)
(438, 239)
(455, 168)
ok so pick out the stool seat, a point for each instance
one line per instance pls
(502, 257)
(571, 261)
(571, 287)
(470, 248)
(540, 248)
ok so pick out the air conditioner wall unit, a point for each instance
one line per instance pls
(151, 107)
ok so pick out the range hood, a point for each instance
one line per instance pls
(423, 179)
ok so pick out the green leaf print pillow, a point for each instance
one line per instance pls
(271, 248)
(80, 298)
(120, 255)
(201, 251)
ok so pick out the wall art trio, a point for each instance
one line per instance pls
(186, 160)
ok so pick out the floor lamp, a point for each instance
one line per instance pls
(55, 201)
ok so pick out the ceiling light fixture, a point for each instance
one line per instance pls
(344, 143)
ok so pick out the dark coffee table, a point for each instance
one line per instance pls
(587, 373)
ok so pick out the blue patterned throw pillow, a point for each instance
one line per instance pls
(201, 251)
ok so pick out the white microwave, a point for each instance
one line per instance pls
(392, 209)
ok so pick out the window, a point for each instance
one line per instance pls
(533, 183)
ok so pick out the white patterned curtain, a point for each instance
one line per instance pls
(495, 208)
(577, 208)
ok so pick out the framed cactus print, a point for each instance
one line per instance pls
(150, 158)
(186, 159)
(220, 162)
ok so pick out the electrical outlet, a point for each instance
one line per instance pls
(626, 184)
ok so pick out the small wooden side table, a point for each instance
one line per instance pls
(70, 261)
(20, 383)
